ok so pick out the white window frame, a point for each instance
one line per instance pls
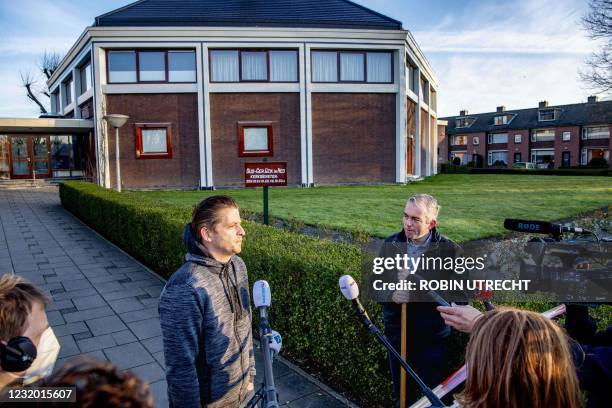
(490, 156)
(533, 153)
(452, 156)
(465, 121)
(585, 132)
(475, 140)
(554, 111)
(455, 137)
(518, 138)
(534, 137)
(490, 138)
(500, 120)
(566, 136)
(584, 154)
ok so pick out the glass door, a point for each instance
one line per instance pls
(41, 156)
(20, 157)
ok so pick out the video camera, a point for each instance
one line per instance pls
(572, 263)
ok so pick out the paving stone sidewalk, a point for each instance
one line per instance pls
(105, 302)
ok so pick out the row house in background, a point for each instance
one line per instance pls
(343, 94)
(549, 136)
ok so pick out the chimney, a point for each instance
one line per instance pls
(593, 99)
(501, 109)
(463, 112)
(543, 104)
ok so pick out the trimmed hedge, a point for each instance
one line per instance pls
(319, 328)
(449, 168)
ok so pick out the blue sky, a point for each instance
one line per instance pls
(485, 52)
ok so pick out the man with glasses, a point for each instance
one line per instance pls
(425, 330)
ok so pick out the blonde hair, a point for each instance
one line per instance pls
(516, 358)
(429, 203)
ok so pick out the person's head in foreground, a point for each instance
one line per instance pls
(420, 217)
(28, 347)
(216, 224)
(100, 384)
(517, 358)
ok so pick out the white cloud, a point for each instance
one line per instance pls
(479, 83)
(528, 26)
(508, 53)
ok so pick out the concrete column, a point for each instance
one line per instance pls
(76, 87)
(307, 143)
(417, 136)
(400, 118)
(99, 75)
(305, 114)
(204, 128)
(61, 98)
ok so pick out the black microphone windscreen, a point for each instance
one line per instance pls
(538, 227)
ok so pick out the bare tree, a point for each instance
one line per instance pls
(598, 24)
(47, 64)
(30, 83)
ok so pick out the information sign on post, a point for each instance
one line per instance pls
(265, 174)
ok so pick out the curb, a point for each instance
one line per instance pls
(281, 359)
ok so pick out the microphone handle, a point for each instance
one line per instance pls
(435, 401)
(265, 332)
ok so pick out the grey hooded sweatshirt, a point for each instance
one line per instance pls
(205, 317)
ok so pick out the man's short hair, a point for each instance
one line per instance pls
(206, 213)
(429, 203)
(17, 296)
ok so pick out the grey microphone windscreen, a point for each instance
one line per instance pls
(261, 294)
(348, 287)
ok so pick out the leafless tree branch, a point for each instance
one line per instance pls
(28, 82)
(49, 62)
(598, 24)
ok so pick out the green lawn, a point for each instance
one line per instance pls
(473, 206)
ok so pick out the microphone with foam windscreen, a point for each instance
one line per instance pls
(350, 291)
(540, 227)
(262, 297)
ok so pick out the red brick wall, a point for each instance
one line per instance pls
(480, 148)
(353, 138)
(522, 148)
(227, 109)
(572, 146)
(432, 141)
(442, 144)
(183, 170)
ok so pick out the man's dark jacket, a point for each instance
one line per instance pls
(423, 320)
(426, 331)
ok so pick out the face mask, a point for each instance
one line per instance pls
(48, 349)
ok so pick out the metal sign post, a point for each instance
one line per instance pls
(265, 205)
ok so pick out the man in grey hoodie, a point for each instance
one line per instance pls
(205, 313)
